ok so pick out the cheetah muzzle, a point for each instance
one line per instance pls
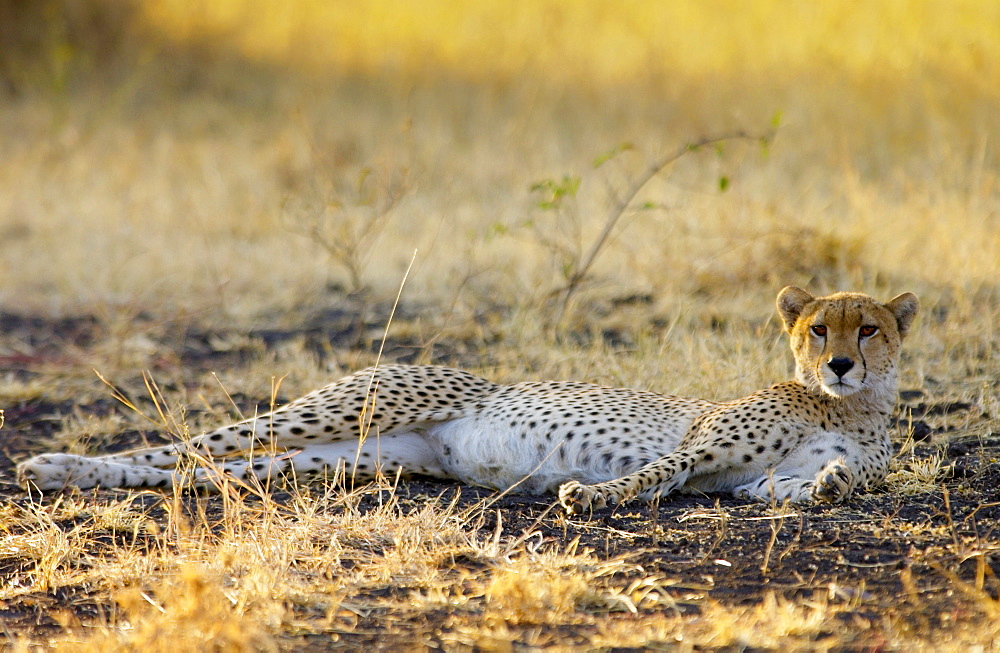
(819, 437)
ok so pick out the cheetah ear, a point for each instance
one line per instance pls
(791, 301)
(904, 307)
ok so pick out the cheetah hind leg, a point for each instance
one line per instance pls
(329, 414)
(405, 453)
(148, 467)
(56, 471)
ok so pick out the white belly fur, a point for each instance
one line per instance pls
(487, 453)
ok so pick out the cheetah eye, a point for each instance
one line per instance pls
(868, 331)
(819, 330)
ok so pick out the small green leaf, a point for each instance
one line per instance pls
(776, 119)
(554, 191)
(496, 230)
(612, 153)
(572, 184)
(723, 183)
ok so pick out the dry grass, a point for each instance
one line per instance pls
(177, 173)
(262, 576)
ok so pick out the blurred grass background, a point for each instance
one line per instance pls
(194, 157)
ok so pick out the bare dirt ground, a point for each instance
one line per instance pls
(919, 556)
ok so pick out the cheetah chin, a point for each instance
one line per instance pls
(819, 437)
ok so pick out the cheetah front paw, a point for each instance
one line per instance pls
(576, 497)
(833, 483)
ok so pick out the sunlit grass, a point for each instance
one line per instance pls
(185, 192)
(596, 43)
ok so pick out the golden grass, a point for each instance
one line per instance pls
(883, 163)
(592, 42)
(174, 179)
(262, 576)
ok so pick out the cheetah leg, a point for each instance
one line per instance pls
(406, 453)
(230, 445)
(656, 479)
(388, 401)
(832, 484)
(56, 471)
(284, 427)
(150, 467)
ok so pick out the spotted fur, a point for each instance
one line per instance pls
(816, 438)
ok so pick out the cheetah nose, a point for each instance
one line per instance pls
(840, 365)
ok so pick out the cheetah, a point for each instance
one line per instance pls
(818, 438)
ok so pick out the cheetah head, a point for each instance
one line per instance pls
(846, 342)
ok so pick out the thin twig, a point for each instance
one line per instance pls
(619, 207)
